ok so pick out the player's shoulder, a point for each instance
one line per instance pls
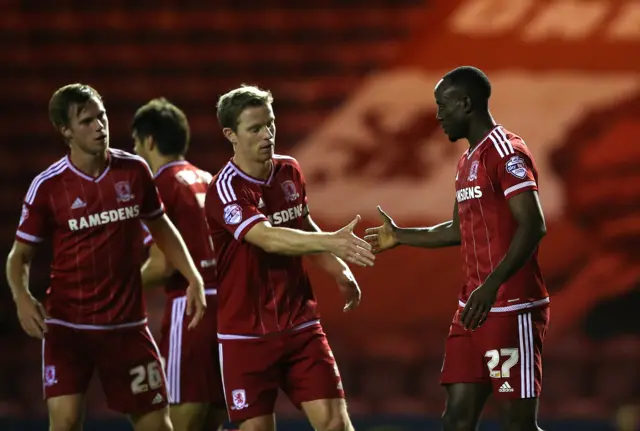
(202, 173)
(285, 160)
(502, 143)
(127, 160)
(46, 178)
(227, 183)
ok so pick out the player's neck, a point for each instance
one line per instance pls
(90, 164)
(259, 170)
(479, 129)
(159, 161)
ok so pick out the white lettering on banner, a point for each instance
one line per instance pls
(104, 217)
(569, 20)
(626, 26)
(285, 215)
(489, 16)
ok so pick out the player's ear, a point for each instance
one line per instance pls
(149, 143)
(66, 132)
(230, 135)
(466, 104)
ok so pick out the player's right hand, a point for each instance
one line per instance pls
(32, 315)
(382, 237)
(348, 247)
(196, 302)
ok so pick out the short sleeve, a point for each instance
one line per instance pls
(514, 172)
(152, 206)
(233, 208)
(35, 217)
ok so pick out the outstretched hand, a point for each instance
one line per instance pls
(382, 237)
(347, 246)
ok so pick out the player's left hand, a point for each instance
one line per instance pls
(478, 306)
(349, 289)
(196, 302)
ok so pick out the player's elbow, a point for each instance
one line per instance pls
(537, 230)
(20, 254)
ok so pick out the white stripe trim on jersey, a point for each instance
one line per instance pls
(168, 165)
(153, 214)
(481, 143)
(155, 347)
(175, 348)
(251, 179)
(284, 157)
(222, 186)
(527, 356)
(516, 307)
(53, 170)
(95, 327)
(519, 186)
(224, 389)
(246, 223)
(207, 292)
(79, 173)
(532, 357)
(28, 237)
(253, 337)
(501, 143)
(505, 139)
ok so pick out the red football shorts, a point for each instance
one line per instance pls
(505, 352)
(191, 355)
(300, 362)
(127, 361)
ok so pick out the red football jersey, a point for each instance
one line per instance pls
(183, 187)
(95, 227)
(259, 293)
(498, 168)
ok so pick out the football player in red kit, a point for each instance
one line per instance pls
(161, 136)
(495, 341)
(268, 326)
(90, 204)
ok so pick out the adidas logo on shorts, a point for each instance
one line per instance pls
(157, 399)
(506, 387)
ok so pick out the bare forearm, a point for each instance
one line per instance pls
(18, 275)
(293, 242)
(331, 263)
(442, 235)
(524, 243)
(171, 244)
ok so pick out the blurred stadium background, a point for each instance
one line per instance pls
(353, 82)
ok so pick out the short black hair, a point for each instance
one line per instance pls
(473, 81)
(165, 123)
(231, 104)
(65, 97)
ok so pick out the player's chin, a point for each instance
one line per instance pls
(453, 138)
(265, 154)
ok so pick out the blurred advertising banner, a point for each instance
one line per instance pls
(566, 77)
